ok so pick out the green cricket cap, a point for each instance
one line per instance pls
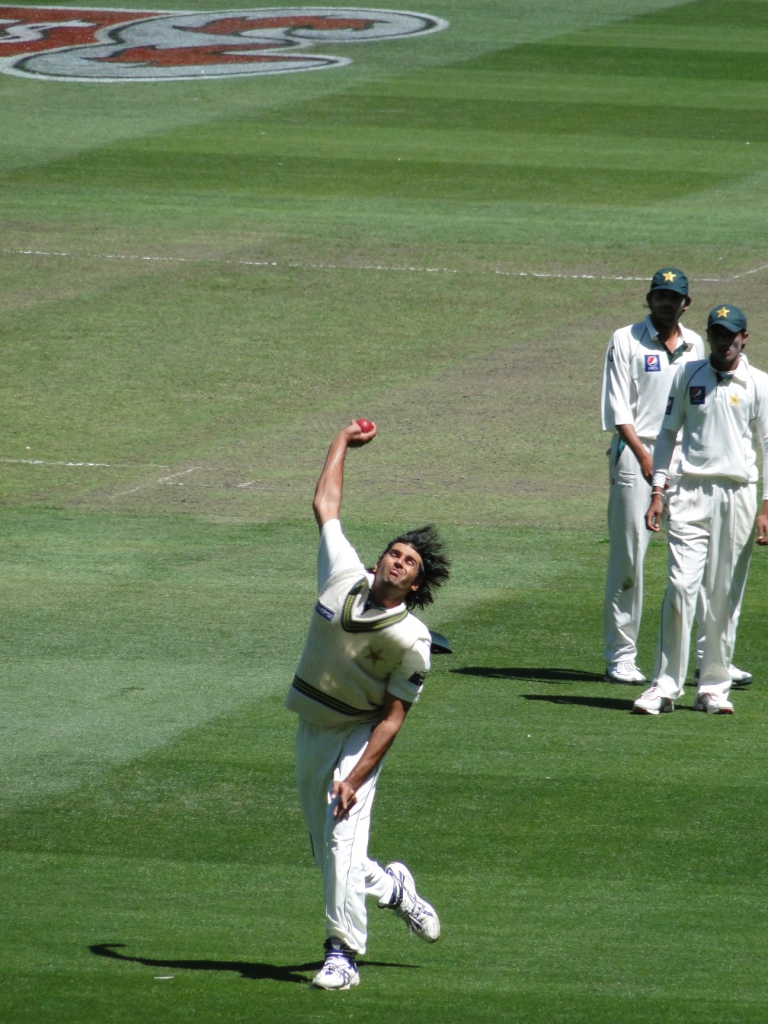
(730, 317)
(670, 278)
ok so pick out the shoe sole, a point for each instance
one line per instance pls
(423, 935)
(714, 711)
(396, 866)
(743, 679)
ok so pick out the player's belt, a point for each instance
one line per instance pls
(323, 698)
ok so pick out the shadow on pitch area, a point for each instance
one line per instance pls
(543, 675)
(251, 971)
(610, 703)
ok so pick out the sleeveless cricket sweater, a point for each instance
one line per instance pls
(353, 656)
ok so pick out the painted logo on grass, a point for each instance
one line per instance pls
(106, 45)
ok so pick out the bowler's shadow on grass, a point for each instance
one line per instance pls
(544, 675)
(251, 971)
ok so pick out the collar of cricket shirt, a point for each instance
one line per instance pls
(738, 376)
(684, 346)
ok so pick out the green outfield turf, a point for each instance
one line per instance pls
(199, 283)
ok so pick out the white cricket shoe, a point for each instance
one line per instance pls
(713, 705)
(419, 915)
(652, 702)
(339, 971)
(625, 671)
(738, 675)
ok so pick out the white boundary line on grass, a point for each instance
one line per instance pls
(114, 465)
(93, 465)
(119, 465)
(363, 266)
(163, 480)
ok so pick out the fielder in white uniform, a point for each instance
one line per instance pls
(721, 404)
(363, 667)
(640, 364)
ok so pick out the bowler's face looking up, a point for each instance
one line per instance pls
(396, 574)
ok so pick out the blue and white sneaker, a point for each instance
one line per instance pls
(339, 970)
(419, 916)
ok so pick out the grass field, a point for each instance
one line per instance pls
(199, 283)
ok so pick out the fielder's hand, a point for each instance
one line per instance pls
(654, 513)
(646, 466)
(346, 798)
(762, 528)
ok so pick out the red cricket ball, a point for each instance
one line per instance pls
(365, 425)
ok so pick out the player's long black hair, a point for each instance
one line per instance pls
(435, 564)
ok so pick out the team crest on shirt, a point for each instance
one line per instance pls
(697, 394)
(373, 655)
(652, 363)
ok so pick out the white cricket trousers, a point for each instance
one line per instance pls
(628, 500)
(325, 754)
(711, 528)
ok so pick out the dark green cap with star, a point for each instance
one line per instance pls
(670, 278)
(730, 317)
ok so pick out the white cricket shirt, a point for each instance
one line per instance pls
(724, 419)
(355, 652)
(637, 376)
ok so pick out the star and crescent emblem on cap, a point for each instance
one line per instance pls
(722, 312)
(669, 275)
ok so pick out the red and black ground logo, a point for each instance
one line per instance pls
(93, 45)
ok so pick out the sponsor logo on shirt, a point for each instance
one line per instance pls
(697, 393)
(325, 612)
(670, 403)
(652, 363)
